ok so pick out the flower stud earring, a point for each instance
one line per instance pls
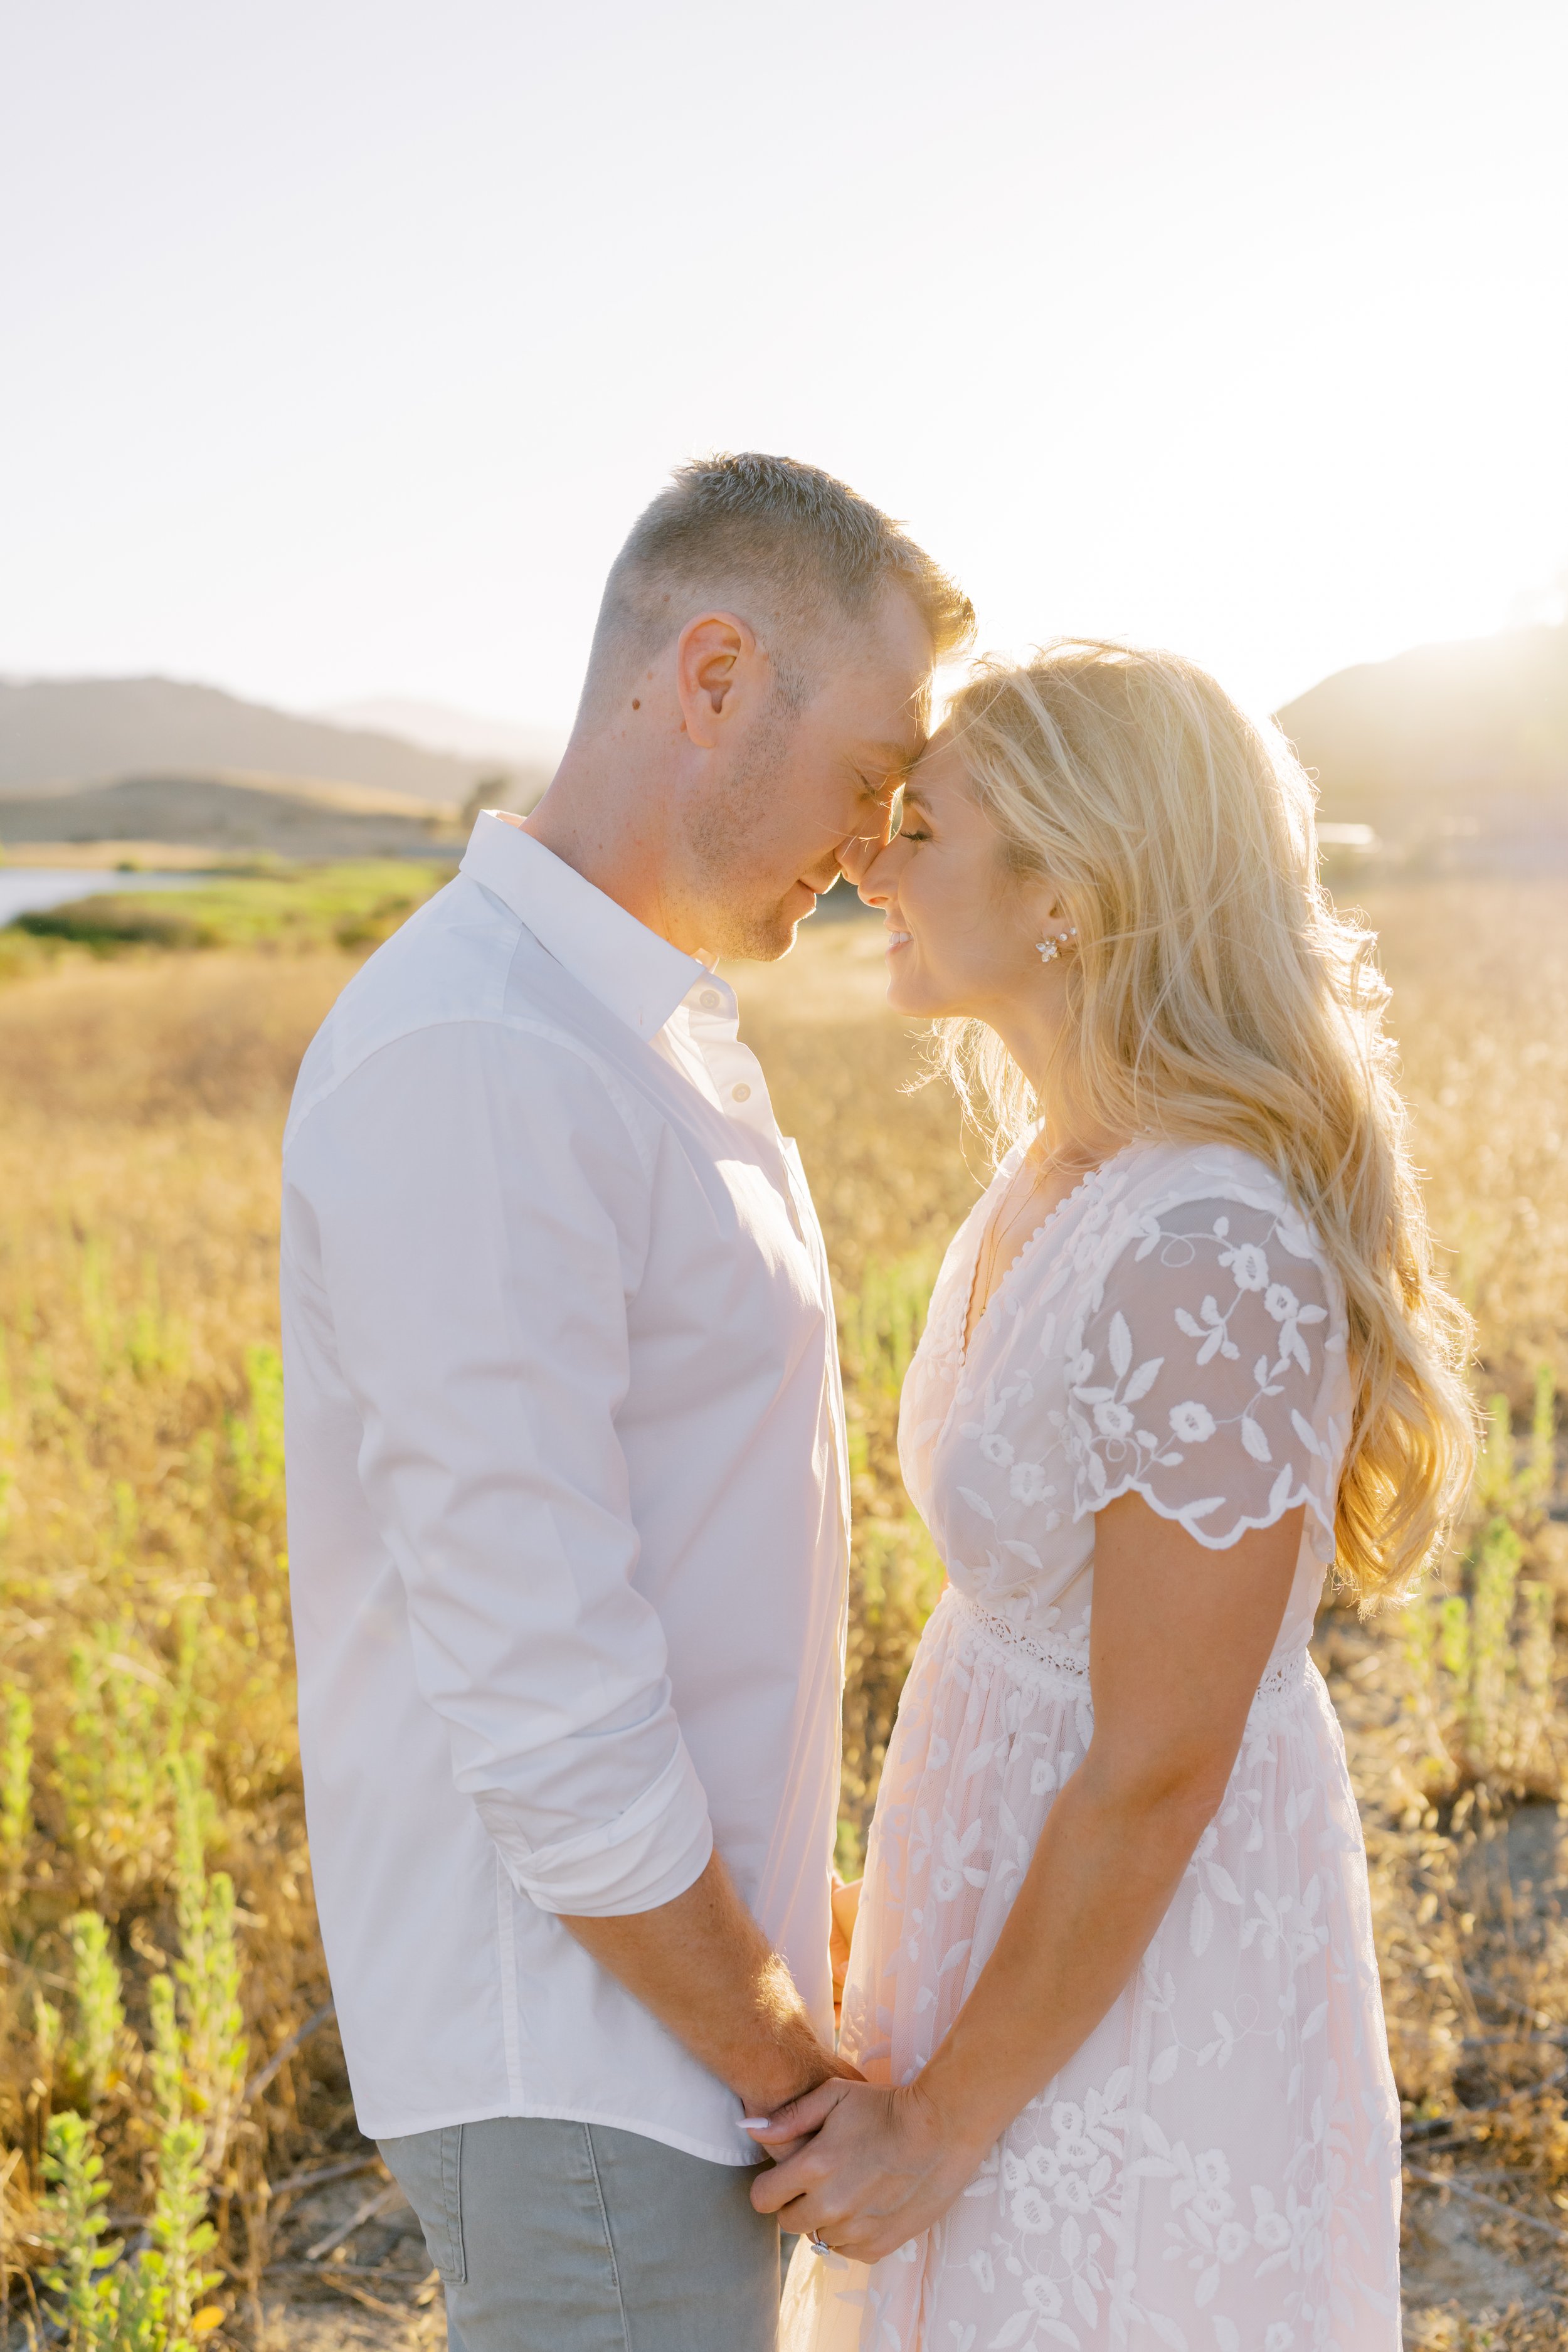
(1049, 950)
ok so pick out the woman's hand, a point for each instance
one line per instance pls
(881, 2167)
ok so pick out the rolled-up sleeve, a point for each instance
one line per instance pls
(481, 1192)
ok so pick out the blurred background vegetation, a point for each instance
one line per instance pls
(272, 905)
(174, 2118)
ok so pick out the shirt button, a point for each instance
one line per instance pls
(709, 1000)
(741, 1094)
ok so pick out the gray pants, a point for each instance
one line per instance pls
(566, 2237)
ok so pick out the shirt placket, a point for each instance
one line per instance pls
(739, 1087)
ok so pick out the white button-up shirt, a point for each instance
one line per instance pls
(566, 1500)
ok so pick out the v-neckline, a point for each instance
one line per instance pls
(972, 1324)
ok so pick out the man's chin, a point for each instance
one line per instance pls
(767, 934)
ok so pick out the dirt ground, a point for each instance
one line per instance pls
(1473, 2277)
(374, 2287)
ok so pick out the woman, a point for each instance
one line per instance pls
(1113, 1983)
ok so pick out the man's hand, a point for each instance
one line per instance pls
(846, 1901)
(706, 1970)
(879, 2168)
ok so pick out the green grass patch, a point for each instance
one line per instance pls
(354, 905)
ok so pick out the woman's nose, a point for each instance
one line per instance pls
(875, 881)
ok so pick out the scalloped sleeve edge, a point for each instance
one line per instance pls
(1320, 1524)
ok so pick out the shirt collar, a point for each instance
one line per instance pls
(633, 972)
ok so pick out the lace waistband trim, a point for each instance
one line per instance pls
(1059, 1659)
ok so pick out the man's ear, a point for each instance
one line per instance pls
(711, 656)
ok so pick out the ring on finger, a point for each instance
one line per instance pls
(819, 2246)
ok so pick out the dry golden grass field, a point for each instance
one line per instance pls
(169, 2083)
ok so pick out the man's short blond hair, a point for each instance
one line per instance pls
(792, 550)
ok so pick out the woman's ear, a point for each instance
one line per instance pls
(1043, 906)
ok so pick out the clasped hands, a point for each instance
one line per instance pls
(857, 2166)
(860, 2167)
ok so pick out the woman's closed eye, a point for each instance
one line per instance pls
(912, 818)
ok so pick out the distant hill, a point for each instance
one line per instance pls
(287, 816)
(65, 731)
(155, 759)
(1464, 744)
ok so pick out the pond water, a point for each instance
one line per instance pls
(28, 889)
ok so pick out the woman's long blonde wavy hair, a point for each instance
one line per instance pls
(1218, 996)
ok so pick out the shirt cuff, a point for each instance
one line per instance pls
(648, 1854)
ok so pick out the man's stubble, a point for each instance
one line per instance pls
(722, 835)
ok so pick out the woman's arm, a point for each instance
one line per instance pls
(1179, 1637)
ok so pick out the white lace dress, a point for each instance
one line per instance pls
(1218, 2165)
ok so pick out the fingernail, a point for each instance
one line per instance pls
(755, 2123)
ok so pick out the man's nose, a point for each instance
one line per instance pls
(857, 856)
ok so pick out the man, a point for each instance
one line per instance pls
(567, 1494)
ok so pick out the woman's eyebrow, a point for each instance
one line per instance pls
(913, 792)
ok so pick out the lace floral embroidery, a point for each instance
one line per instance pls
(1215, 2169)
(1196, 1367)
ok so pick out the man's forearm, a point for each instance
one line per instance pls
(706, 1970)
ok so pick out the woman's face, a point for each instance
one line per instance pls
(961, 929)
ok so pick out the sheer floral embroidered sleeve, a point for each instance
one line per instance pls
(1196, 1373)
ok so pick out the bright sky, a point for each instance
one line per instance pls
(342, 338)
